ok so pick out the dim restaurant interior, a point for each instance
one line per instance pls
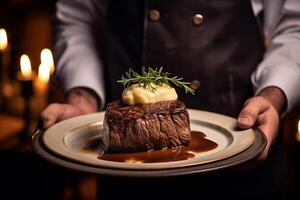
(27, 86)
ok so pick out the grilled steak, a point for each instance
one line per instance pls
(146, 127)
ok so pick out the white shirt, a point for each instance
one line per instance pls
(281, 63)
(77, 58)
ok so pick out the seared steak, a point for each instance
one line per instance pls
(146, 127)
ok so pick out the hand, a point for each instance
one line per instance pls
(79, 101)
(263, 111)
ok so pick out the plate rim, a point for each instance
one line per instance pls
(88, 119)
(247, 155)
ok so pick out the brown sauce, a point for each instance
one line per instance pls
(198, 144)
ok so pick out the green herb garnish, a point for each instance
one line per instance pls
(150, 77)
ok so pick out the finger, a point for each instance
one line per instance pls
(248, 116)
(68, 111)
(49, 121)
(51, 115)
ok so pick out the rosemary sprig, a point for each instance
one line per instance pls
(151, 77)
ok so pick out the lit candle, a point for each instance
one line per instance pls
(3, 40)
(298, 133)
(47, 58)
(5, 56)
(41, 83)
(25, 76)
(5, 88)
(26, 72)
(44, 73)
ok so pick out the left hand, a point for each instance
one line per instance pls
(79, 101)
(263, 111)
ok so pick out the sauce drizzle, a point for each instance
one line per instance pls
(198, 144)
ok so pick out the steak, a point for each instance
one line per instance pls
(146, 127)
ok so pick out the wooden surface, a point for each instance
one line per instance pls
(10, 126)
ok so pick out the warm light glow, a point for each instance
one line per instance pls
(44, 73)
(25, 67)
(3, 39)
(131, 160)
(47, 58)
(8, 90)
(298, 133)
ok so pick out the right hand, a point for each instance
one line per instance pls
(79, 101)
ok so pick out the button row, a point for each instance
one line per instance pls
(154, 16)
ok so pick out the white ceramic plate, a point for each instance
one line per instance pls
(67, 138)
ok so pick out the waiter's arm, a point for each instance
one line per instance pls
(79, 68)
(281, 63)
(276, 80)
(76, 49)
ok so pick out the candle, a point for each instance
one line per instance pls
(47, 59)
(3, 40)
(41, 83)
(298, 133)
(44, 73)
(26, 72)
(5, 84)
(25, 76)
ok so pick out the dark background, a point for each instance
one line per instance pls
(28, 24)
(25, 175)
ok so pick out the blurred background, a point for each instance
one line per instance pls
(27, 86)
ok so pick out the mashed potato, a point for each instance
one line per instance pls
(137, 94)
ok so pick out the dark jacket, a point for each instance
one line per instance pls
(213, 44)
(216, 45)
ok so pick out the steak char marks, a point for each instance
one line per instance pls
(146, 127)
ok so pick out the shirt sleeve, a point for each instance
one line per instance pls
(76, 53)
(280, 66)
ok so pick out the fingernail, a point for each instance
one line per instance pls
(244, 120)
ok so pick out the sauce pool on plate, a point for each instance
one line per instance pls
(198, 144)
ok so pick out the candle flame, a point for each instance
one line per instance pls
(298, 133)
(47, 58)
(25, 66)
(3, 39)
(44, 73)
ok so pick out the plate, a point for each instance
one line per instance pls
(67, 139)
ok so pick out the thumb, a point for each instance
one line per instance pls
(248, 115)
